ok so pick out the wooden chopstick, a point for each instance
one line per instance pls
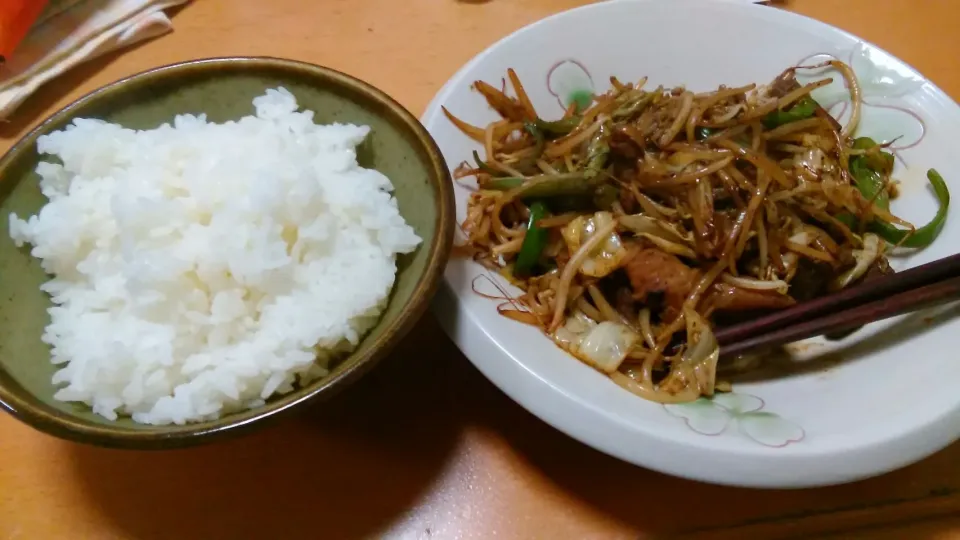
(877, 310)
(877, 290)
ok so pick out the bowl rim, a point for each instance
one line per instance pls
(60, 424)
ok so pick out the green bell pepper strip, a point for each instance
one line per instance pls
(504, 184)
(869, 172)
(547, 185)
(870, 183)
(540, 143)
(533, 242)
(557, 128)
(482, 165)
(605, 195)
(635, 106)
(847, 219)
(801, 110)
(923, 236)
(536, 133)
(878, 160)
(597, 152)
(553, 185)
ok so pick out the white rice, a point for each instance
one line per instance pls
(201, 268)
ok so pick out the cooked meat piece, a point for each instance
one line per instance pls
(622, 146)
(880, 267)
(623, 302)
(811, 279)
(714, 238)
(653, 271)
(726, 297)
(627, 201)
(784, 84)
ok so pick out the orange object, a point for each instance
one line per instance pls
(16, 18)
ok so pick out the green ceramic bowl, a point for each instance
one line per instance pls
(223, 88)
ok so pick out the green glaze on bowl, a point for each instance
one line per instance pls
(223, 89)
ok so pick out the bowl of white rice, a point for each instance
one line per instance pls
(197, 248)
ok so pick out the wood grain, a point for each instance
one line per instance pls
(425, 447)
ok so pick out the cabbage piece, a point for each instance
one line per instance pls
(811, 159)
(778, 285)
(663, 234)
(864, 257)
(603, 345)
(696, 373)
(607, 256)
(790, 259)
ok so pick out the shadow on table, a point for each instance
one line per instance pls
(651, 503)
(369, 461)
(347, 469)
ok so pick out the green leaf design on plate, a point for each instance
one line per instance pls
(738, 403)
(712, 417)
(583, 99)
(769, 429)
(882, 80)
(569, 82)
(702, 416)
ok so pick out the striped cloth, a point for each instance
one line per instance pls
(70, 32)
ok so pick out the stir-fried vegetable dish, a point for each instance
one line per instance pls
(638, 224)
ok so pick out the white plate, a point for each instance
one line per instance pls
(892, 400)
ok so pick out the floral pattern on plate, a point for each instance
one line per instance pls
(880, 80)
(712, 416)
(569, 81)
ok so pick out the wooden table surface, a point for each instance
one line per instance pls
(428, 448)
